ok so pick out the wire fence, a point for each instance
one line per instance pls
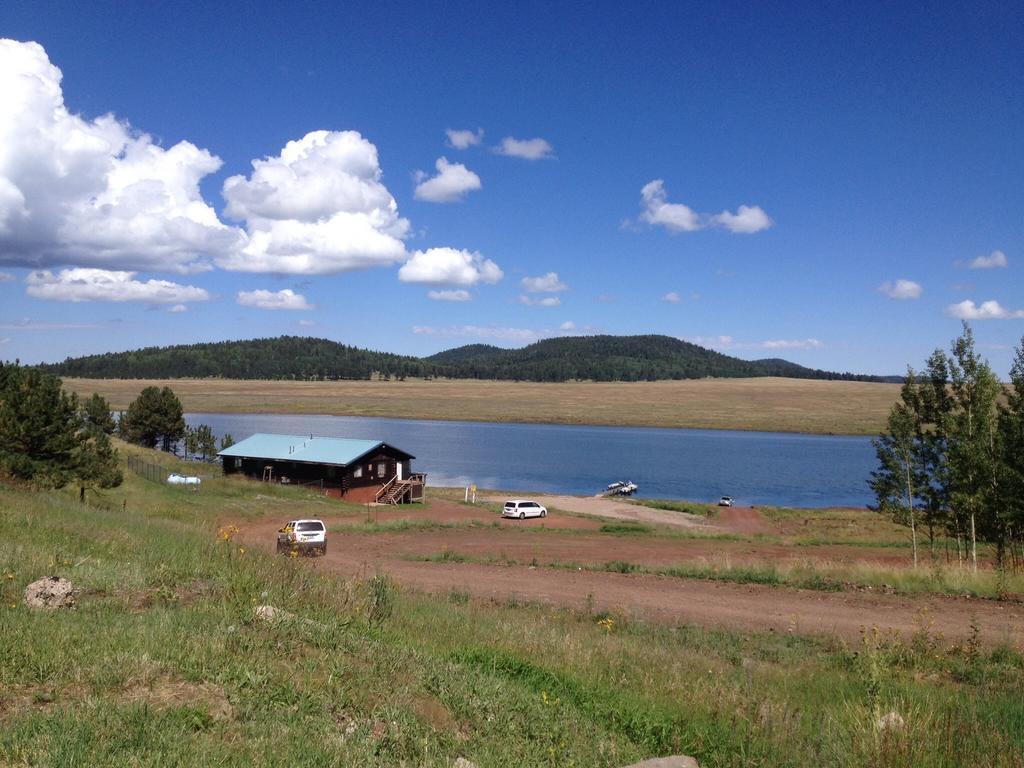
(148, 470)
(158, 473)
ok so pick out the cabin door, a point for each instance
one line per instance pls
(398, 469)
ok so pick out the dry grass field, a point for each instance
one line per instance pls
(785, 405)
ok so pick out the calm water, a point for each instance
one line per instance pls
(752, 467)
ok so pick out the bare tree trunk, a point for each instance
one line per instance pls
(910, 507)
(974, 545)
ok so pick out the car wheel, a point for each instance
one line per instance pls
(279, 548)
(323, 550)
(543, 513)
(522, 515)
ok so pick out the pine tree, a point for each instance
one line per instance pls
(226, 441)
(207, 443)
(38, 427)
(96, 464)
(191, 442)
(155, 416)
(96, 415)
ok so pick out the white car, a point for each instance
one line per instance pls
(725, 501)
(522, 509)
(303, 536)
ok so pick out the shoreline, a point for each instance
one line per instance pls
(482, 420)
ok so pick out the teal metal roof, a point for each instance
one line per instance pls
(313, 450)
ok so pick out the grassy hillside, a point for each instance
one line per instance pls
(163, 663)
(596, 358)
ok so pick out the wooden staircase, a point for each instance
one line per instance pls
(394, 491)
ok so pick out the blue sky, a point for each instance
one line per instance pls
(839, 184)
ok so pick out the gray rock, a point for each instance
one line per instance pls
(891, 721)
(50, 592)
(271, 613)
(672, 761)
(461, 762)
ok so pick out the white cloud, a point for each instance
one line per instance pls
(27, 324)
(988, 310)
(568, 325)
(677, 217)
(178, 308)
(452, 182)
(6, 277)
(901, 289)
(94, 192)
(306, 323)
(790, 344)
(672, 297)
(284, 299)
(6, 340)
(450, 295)
(527, 149)
(520, 335)
(317, 208)
(546, 301)
(747, 220)
(728, 342)
(87, 284)
(711, 342)
(994, 260)
(464, 139)
(548, 283)
(449, 266)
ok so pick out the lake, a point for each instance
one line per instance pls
(769, 468)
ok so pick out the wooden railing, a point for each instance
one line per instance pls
(385, 488)
(395, 489)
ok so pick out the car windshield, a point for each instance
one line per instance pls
(307, 527)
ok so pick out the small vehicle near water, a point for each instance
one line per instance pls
(520, 509)
(303, 536)
(725, 501)
(621, 488)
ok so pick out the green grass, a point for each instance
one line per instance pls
(163, 664)
(690, 508)
(626, 528)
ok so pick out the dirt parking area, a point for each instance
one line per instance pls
(512, 560)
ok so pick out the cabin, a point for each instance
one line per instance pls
(362, 471)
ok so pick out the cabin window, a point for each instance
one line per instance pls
(238, 462)
(357, 472)
(382, 469)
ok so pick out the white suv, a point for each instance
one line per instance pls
(522, 509)
(303, 536)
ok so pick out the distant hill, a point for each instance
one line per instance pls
(597, 358)
(616, 358)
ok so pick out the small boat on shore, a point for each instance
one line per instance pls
(626, 488)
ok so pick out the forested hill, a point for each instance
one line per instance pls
(599, 358)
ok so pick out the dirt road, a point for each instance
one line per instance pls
(615, 509)
(657, 598)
